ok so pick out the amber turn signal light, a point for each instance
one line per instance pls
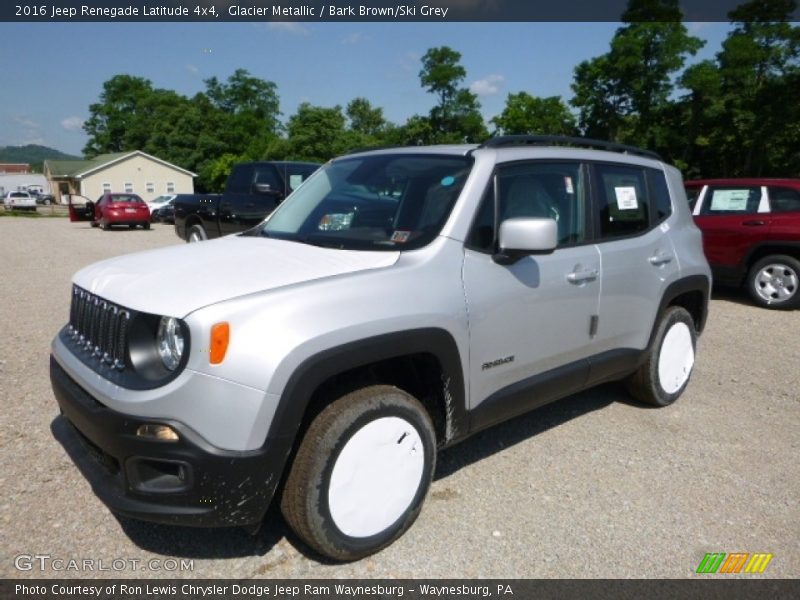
(220, 335)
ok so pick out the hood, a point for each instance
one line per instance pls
(178, 280)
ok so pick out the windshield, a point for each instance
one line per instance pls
(387, 201)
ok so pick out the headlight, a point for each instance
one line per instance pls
(169, 342)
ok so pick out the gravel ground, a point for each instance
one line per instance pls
(592, 486)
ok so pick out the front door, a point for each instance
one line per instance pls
(530, 322)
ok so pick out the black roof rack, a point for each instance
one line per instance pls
(503, 141)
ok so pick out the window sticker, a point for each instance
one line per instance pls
(729, 200)
(295, 181)
(626, 198)
(568, 184)
(400, 237)
(449, 180)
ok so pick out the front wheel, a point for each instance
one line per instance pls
(773, 282)
(670, 360)
(361, 473)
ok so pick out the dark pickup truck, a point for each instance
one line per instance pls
(252, 191)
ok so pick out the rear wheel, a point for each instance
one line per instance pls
(670, 360)
(105, 225)
(361, 473)
(146, 225)
(196, 233)
(773, 282)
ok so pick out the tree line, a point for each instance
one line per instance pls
(735, 115)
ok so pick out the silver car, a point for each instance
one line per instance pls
(398, 302)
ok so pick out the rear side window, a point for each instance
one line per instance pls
(662, 206)
(623, 201)
(782, 199)
(731, 200)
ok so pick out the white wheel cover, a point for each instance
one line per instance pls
(376, 476)
(676, 359)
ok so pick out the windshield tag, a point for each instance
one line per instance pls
(400, 237)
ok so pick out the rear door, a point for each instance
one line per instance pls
(784, 214)
(733, 218)
(80, 208)
(632, 206)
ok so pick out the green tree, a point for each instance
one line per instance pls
(526, 114)
(456, 118)
(118, 110)
(622, 94)
(316, 133)
(759, 78)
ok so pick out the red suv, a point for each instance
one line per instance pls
(112, 209)
(751, 235)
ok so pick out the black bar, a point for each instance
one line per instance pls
(434, 11)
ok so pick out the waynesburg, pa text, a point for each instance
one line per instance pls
(266, 590)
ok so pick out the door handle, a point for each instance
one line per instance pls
(754, 223)
(660, 259)
(582, 276)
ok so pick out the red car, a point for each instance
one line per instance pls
(751, 235)
(112, 209)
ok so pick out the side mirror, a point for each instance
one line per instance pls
(520, 237)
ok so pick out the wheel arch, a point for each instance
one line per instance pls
(415, 361)
(760, 251)
(691, 293)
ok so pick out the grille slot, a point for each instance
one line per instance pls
(99, 328)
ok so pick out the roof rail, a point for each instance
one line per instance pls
(502, 141)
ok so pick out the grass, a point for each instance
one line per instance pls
(31, 214)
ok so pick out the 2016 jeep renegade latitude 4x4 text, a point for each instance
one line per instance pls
(398, 302)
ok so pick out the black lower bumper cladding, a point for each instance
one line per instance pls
(186, 482)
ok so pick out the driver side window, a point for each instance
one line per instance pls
(545, 190)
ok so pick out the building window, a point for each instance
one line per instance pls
(128, 187)
(106, 187)
(151, 187)
(170, 187)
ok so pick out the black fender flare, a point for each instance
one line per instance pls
(316, 369)
(692, 283)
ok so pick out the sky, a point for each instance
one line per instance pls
(50, 73)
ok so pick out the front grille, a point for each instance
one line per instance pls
(99, 328)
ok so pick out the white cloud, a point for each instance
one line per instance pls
(26, 122)
(487, 86)
(410, 61)
(72, 123)
(354, 38)
(288, 27)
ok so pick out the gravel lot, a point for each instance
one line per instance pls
(592, 486)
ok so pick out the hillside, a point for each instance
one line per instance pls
(33, 154)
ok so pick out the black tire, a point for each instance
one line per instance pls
(105, 225)
(774, 282)
(196, 233)
(319, 515)
(146, 225)
(95, 224)
(131, 226)
(673, 364)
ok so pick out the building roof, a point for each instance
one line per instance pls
(77, 169)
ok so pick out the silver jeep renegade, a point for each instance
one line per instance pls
(399, 301)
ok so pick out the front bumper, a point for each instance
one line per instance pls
(187, 482)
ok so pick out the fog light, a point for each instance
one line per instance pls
(157, 432)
